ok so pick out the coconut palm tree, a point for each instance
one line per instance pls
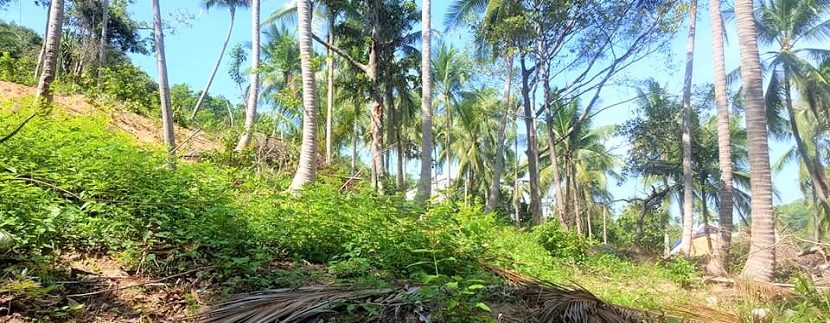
(281, 83)
(425, 178)
(231, 5)
(688, 215)
(482, 14)
(51, 50)
(450, 68)
(761, 261)
(306, 171)
(786, 24)
(810, 128)
(253, 87)
(164, 88)
(724, 140)
(475, 138)
(586, 164)
(327, 10)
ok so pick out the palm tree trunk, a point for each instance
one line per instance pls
(688, 187)
(253, 90)
(604, 225)
(516, 192)
(812, 163)
(425, 179)
(215, 67)
(400, 176)
(554, 163)
(102, 46)
(705, 212)
(532, 149)
(575, 199)
(51, 51)
(390, 124)
(354, 144)
(44, 45)
(761, 261)
(588, 217)
(307, 169)
(724, 140)
(447, 150)
(164, 88)
(330, 94)
(498, 167)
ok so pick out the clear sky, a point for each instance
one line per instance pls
(192, 51)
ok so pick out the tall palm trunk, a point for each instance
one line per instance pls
(688, 187)
(604, 225)
(44, 45)
(575, 198)
(498, 168)
(724, 140)
(51, 51)
(516, 188)
(532, 149)
(355, 133)
(102, 46)
(761, 261)
(164, 88)
(330, 93)
(232, 13)
(377, 102)
(307, 169)
(253, 90)
(400, 176)
(389, 126)
(447, 144)
(813, 164)
(554, 160)
(425, 179)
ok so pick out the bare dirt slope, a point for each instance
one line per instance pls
(144, 129)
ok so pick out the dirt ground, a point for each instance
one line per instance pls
(144, 129)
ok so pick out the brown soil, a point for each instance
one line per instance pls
(103, 291)
(145, 130)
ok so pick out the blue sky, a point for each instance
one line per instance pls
(192, 51)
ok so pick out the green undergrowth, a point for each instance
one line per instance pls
(71, 184)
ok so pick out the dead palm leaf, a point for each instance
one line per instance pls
(309, 304)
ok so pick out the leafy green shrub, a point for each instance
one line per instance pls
(128, 85)
(561, 243)
(17, 70)
(681, 271)
(812, 304)
(351, 268)
(70, 182)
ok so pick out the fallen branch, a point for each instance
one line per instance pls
(18, 128)
(47, 184)
(140, 284)
(186, 140)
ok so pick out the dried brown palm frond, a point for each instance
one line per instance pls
(559, 303)
(309, 304)
(761, 290)
(702, 313)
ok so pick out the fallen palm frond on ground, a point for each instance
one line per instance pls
(559, 303)
(545, 301)
(306, 304)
